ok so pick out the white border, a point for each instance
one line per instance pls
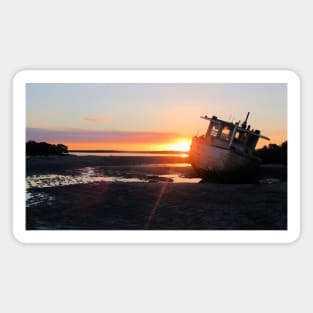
(155, 76)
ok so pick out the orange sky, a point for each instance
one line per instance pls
(126, 146)
(148, 116)
(175, 144)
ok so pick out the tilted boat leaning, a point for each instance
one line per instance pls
(226, 148)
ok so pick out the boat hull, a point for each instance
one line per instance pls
(210, 160)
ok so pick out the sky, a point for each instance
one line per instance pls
(141, 117)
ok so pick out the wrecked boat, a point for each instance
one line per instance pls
(226, 149)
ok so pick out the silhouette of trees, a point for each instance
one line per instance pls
(44, 148)
(273, 153)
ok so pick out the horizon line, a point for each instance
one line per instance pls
(130, 151)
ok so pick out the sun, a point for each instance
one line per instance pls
(183, 146)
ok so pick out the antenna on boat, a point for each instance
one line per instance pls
(244, 124)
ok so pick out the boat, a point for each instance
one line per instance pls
(227, 149)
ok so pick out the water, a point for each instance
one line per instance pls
(87, 175)
(181, 179)
(136, 154)
(269, 180)
(92, 174)
(164, 165)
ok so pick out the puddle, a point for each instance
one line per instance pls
(164, 165)
(46, 181)
(34, 198)
(176, 178)
(91, 174)
(269, 180)
(97, 174)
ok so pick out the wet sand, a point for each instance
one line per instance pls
(156, 204)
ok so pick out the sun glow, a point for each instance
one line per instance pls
(182, 146)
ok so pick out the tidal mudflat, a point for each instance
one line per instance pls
(157, 192)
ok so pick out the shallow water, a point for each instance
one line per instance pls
(91, 174)
(269, 180)
(164, 165)
(181, 179)
(33, 198)
(136, 154)
(87, 175)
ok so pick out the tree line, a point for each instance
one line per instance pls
(273, 153)
(44, 148)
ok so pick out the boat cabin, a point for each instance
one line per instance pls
(232, 135)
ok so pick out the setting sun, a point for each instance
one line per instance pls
(183, 146)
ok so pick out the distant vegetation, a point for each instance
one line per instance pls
(44, 148)
(273, 153)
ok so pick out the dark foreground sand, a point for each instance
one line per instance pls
(153, 205)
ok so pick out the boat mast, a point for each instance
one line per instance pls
(244, 124)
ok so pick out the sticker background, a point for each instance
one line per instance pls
(140, 34)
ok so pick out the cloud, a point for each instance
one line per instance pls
(96, 118)
(81, 135)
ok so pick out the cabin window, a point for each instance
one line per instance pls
(214, 130)
(226, 133)
(240, 136)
